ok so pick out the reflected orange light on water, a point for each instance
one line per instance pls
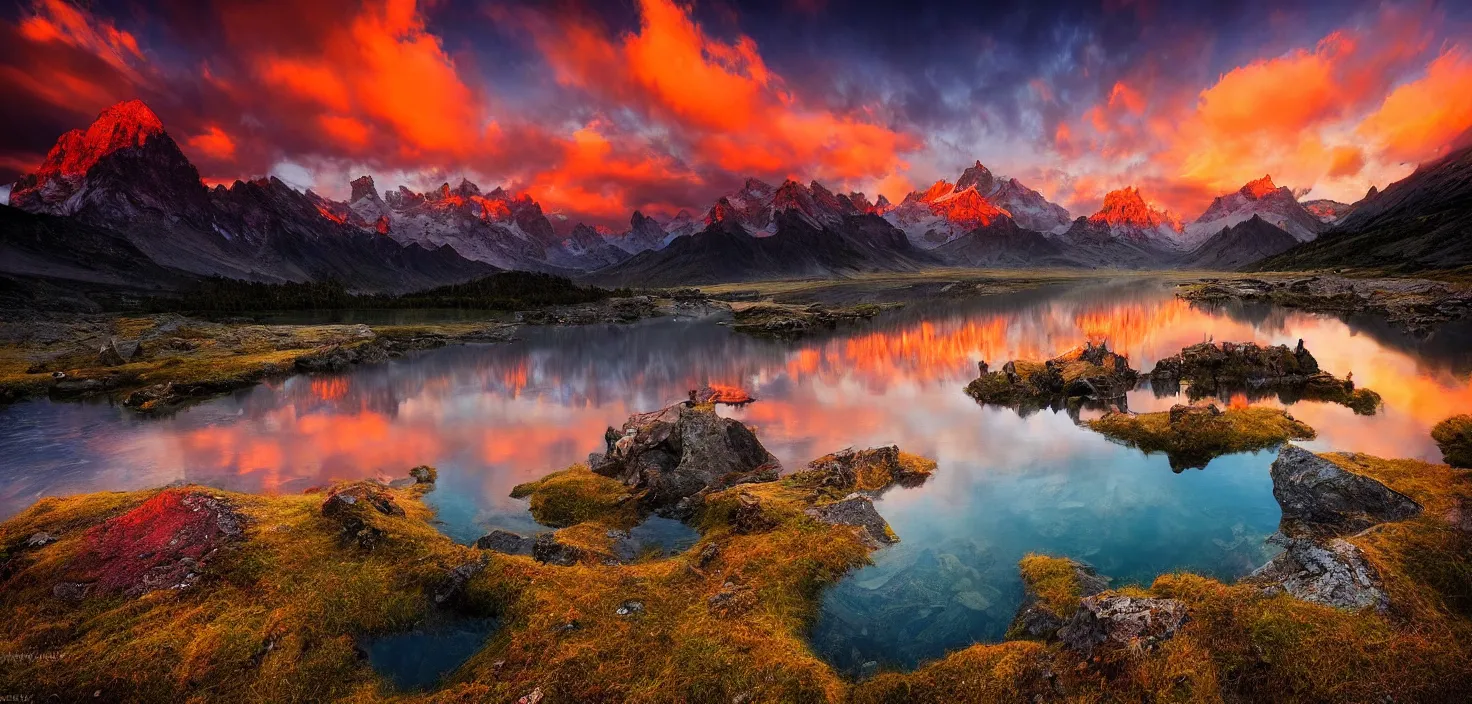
(899, 381)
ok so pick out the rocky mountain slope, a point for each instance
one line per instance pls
(946, 211)
(799, 245)
(1259, 198)
(1423, 221)
(126, 174)
(1125, 232)
(1239, 245)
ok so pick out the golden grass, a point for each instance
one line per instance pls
(576, 495)
(276, 619)
(1055, 582)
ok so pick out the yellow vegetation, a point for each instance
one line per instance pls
(1196, 438)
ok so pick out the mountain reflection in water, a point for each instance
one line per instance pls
(492, 416)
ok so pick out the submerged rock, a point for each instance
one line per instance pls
(680, 451)
(1333, 573)
(1321, 498)
(856, 510)
(1121, 621)
(1088, 374)
(1454, 438)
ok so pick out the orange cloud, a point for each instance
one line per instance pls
(1346, 162)
(720, 96)
(213, 143)
(1421, 119)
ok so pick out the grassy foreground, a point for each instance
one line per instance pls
(275, 615)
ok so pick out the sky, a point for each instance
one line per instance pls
(597, 109)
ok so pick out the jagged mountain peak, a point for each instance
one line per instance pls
(127, 125)
(1259, 188)
(363, 188)
(1260, 197)
(1126, 208)
(978, 177)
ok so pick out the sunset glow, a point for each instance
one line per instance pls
(660, 106)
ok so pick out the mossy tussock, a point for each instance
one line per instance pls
(1192, 436)
(1454, 437)
(577, 495)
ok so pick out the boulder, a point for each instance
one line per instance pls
(117, 352)
(1121, 621)
(453, 586)
(1332, 572)
(856, 510)
(680, 451)
(1318, 497)
(504, 541)
(1212, 364)
(424, 474)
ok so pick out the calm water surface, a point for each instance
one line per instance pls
(492, 416)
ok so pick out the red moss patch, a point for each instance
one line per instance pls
(160, 544)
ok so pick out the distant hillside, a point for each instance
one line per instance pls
(1239, 245)
(725, 252)
(1423, 221)
(1003, 244)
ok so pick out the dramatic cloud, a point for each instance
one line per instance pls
(598, 109)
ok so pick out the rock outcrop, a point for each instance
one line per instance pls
(1292, 374)
(680, 451)
(1320, 498)
(353, 507)
(504, 541)
(1041, 614)
(1322, 501)
(1088, 374)
(874, 469)
(1121, 622)
(1331, 572)
(856, 510)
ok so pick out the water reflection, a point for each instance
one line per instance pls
(492, 416)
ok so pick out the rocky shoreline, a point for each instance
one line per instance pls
(1415, 305)
(266, 595)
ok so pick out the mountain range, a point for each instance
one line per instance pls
(120, 200)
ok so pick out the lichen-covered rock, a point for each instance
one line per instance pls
(504, 541)
(163, 543)
(1333, 573)
(856, 510)
(680, 451)
(1040, 615)
(1121, 621)
(1454, 437)
(1090, 373)
(424, 474)
(1318, 497)
(874, 469)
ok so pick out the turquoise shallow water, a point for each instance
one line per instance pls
(492, 416)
